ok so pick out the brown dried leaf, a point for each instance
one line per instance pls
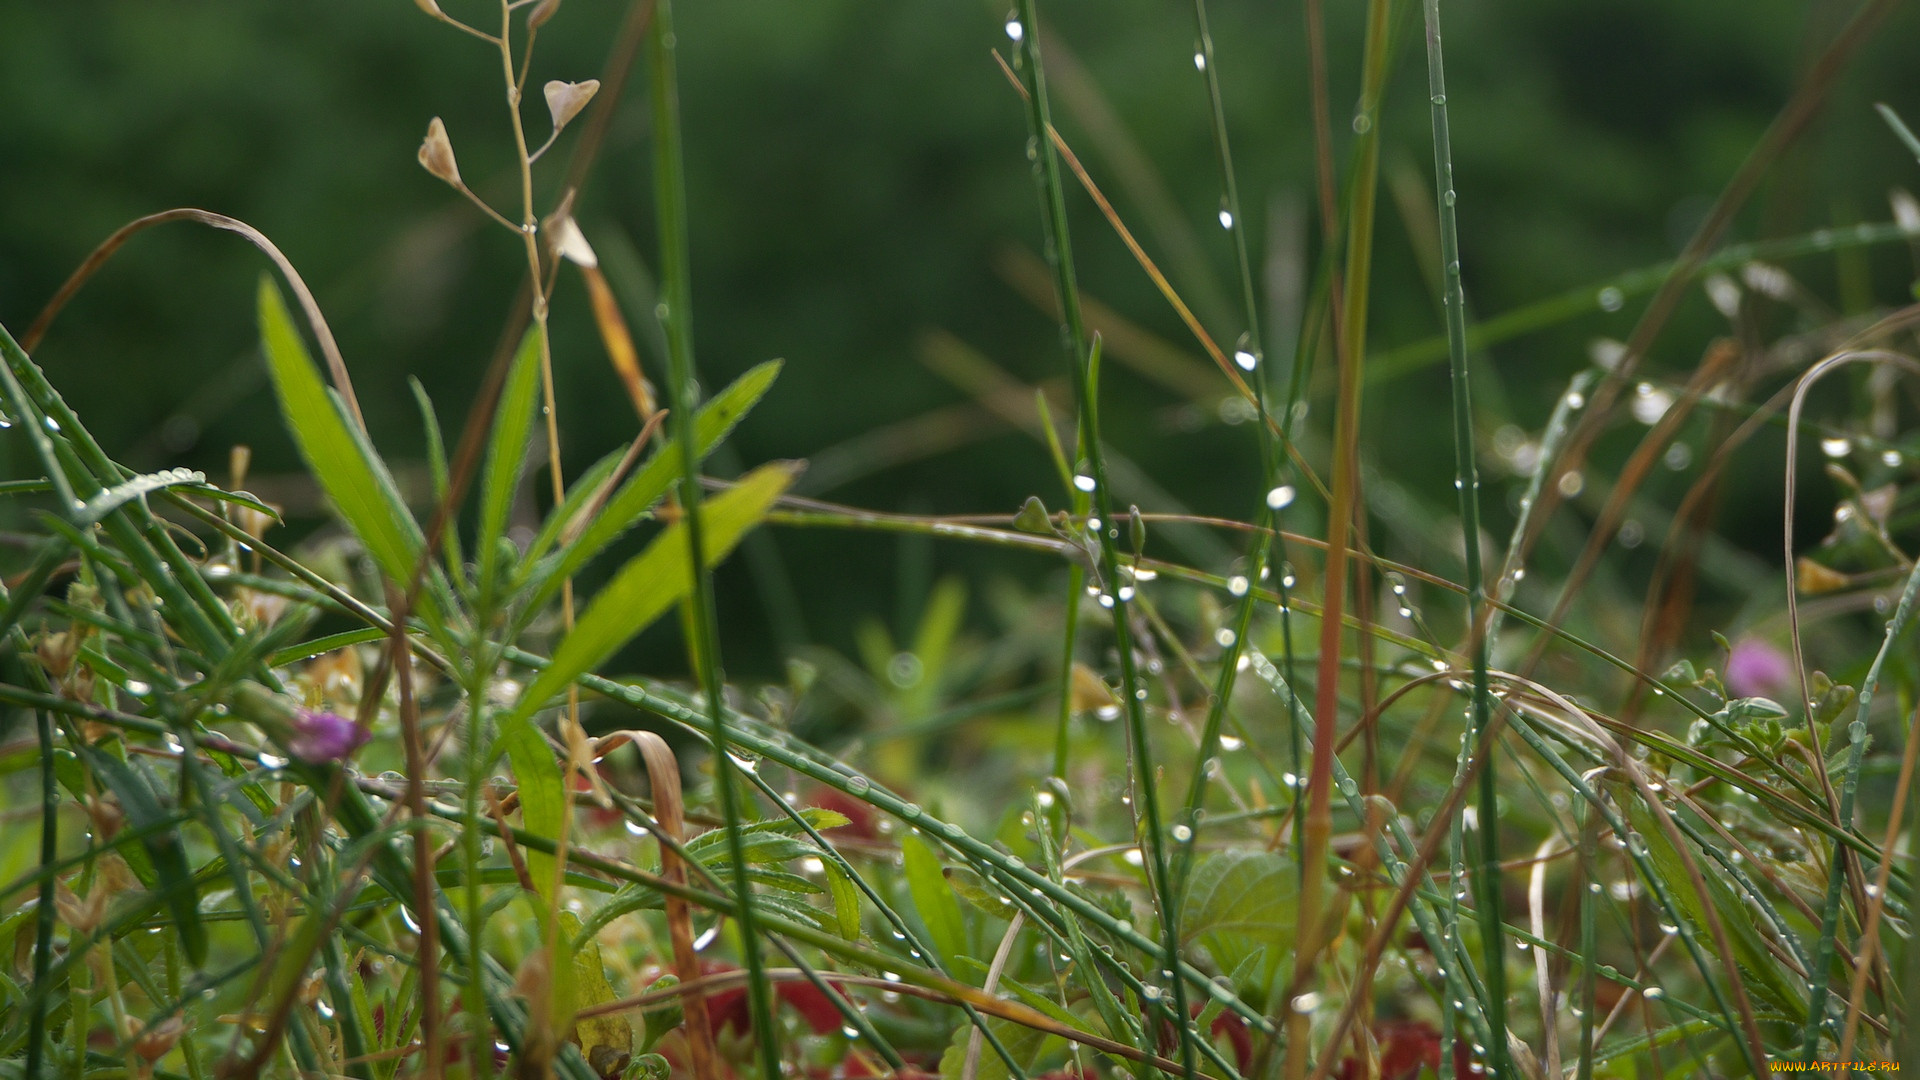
(436, 153)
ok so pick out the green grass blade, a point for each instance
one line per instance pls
(650, 483)
(654, 581)
(1486, 872)
(506, 458)
(348, 471)
(163, 846)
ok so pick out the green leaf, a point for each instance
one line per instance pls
(507, 453)
(349, 471)
(542, 795)
(846, 902)
(163, 846)
(1762, 973)
(650, 482)
(584, 487)
(437, 465)
(1240, 902)
(933, 898)
(653, 580)
(605, 1041)
(1024, 1044)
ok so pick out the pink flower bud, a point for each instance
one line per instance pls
(320, 738)
(1757, 669)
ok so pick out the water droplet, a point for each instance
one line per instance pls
(1246, 360)
(706, 937)
(1576, 399)
(1224, 637)
(1362, 123)
(1448, 198)
(1650, 403)
(1611, 299)
(859, 785)
(1199, 61)
(742, 763)
(1015, 30)
(1125, 593)
(1226, 219)
(1084, 482)
(1280, 498)
(1237, 585)
(1890, 458)
(52, 424)
(1571, 483)
(1306, 1003)
(910, 812)
(634, 828)
(1106, 600)
(137, 688)
(1231, 742)
(1182, 834)
(269, 761)
(1654, 993)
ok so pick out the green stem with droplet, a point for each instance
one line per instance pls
(669, 178)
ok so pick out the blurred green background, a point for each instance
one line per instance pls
(858, 181)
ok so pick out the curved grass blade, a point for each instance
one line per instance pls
(351, 474)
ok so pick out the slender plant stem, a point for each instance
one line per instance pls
(1114, 595)
(1486, 876)
(43, 915)
(1317, 828)
(676, 272)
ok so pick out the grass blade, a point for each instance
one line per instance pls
(654, 581)
(506, 458)
(351, 474)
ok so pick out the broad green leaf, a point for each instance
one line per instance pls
(653, 581)
(1024, 1044)
(1761, 972)
(169, 857)
(846, 902)
(1239, 902)
(507, 453)
(542, 795)
(349, 471)
(651, 481)
(605, 1041)
(933, 898)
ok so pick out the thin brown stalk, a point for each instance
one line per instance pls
(336, 364)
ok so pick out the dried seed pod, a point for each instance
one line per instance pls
(430, 7)
(436, 153)
(570, 243)
(542, 13)
(566, 99)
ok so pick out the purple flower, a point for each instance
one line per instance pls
(323, 737)
(1757, 669)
